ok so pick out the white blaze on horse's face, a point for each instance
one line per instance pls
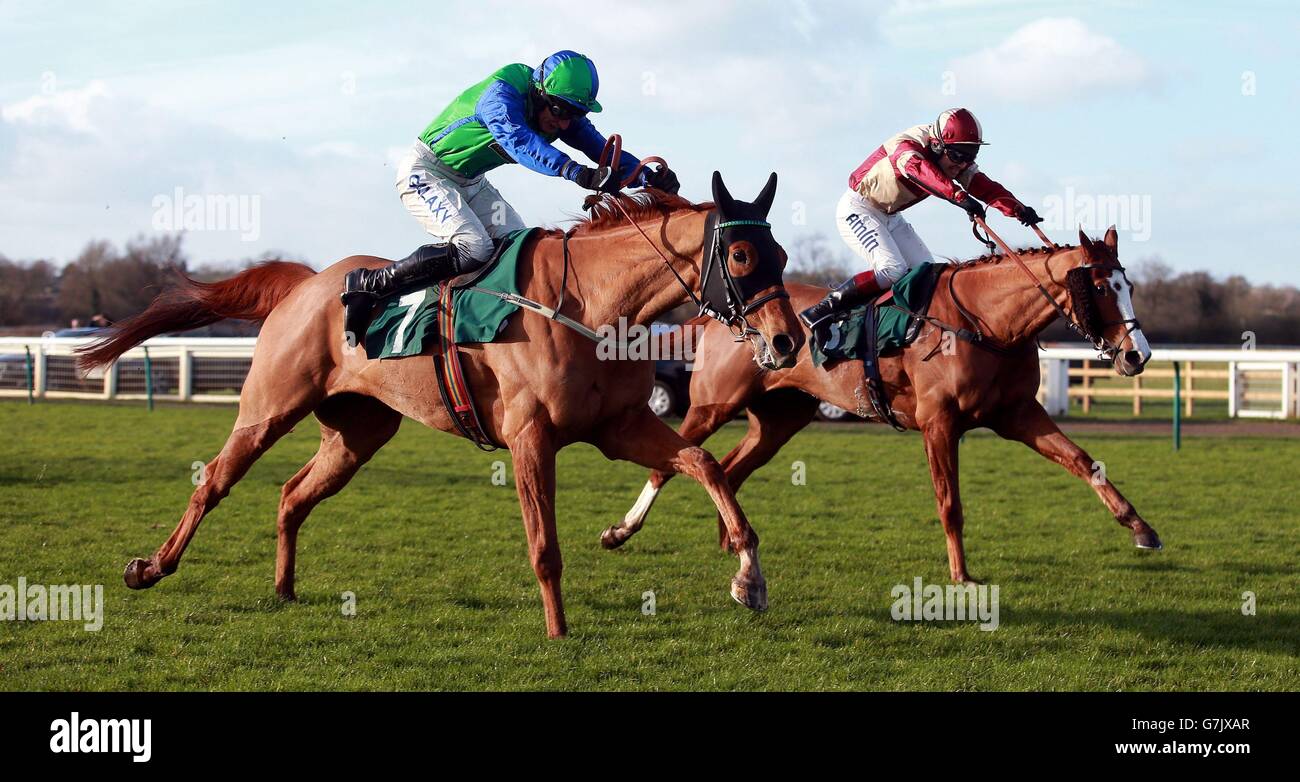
(1124, 299)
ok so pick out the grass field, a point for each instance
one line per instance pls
(445, 599)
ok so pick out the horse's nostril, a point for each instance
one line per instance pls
(783, 344)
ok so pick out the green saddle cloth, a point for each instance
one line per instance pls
(406, 322)
(844, 339)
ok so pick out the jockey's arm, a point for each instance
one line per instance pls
(990, 192)
(583, 136)
(504, 113)
(909, 159)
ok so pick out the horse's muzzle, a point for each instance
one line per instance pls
(785, 350)
(781, 352)
(1129, 363)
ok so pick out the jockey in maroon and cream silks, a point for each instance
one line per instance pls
(921, 161)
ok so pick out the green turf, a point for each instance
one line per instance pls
(446, 600)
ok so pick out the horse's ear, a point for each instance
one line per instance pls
(764, 201)
(1112, 240)
(1084, 241)
(720, 195)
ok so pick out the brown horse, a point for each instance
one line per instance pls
(940, 385)
(540, 387)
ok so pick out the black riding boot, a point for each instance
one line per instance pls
(858, 289)
(363, 287)
(840, 300)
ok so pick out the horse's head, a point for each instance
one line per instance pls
(741, 280)
(1101, 300)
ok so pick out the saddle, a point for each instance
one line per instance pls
(437, 319)
(889, 323)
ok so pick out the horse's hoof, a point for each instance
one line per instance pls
(137, 575)
(610, 539)
(752, 595)
(1147, 539)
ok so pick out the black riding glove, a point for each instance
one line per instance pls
(1028, 216)
(663, 179)
(603, 179)
(973, 208)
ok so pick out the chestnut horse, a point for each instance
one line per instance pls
(538, 388)
(940, 385)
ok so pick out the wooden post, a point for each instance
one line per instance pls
(185, 375)
(1191, 373)
(110, 381)
(42, 371)
(1087, 386)
(1232, 389)
(1137, 395)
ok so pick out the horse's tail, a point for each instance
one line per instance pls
(249, 295)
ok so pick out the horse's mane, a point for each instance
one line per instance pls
(647, 203)
(999, 257)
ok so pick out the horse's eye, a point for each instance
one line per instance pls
(1101, 288)
(739, 256)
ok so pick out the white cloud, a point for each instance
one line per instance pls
(70, 108)
(1051, 60)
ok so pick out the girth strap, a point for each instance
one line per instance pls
(871, 369)
(452, 387)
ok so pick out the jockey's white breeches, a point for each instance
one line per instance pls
(886, 244)
(468, 213)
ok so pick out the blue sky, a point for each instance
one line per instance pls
(1185, 110)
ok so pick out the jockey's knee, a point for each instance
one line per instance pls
(888, 273)
(472, 251)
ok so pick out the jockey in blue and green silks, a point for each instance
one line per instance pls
(513, 116)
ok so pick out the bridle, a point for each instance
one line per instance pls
(723, 297)
(1078, 282)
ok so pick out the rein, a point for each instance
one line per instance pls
(738, 308)
(736, 320)
(613, 150)
(552, 313)
(990, 239)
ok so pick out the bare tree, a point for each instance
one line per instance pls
(815, 261)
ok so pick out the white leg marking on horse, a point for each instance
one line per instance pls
(636, 516)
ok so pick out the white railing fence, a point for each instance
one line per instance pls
(1260, 383)
(181, 369)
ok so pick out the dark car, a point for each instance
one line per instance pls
(80, 331)
(671, 392)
